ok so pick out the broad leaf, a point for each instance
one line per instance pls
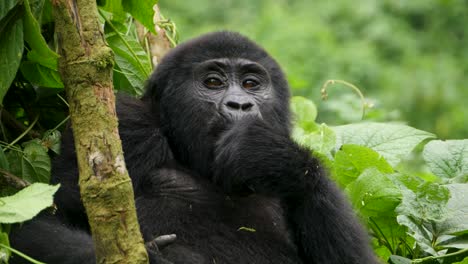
(448, 159)
(11, 49)
(5, 7)
(131, 59)
(142, 10)
(352, 160)
(27, 203)
(41, 76)
(393, 141)
(457, 207)
(322, 140)
(433, 212)
(374, 194)
(428, 203)
(33, 165)
(40, 51)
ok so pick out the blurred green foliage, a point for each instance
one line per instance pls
(410, 55)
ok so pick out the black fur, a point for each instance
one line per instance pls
(233, 191)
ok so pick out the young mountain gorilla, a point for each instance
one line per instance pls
(211, 159)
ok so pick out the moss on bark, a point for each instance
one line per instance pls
(106, 189)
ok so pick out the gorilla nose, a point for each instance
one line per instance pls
(235, 106)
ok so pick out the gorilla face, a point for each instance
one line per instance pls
(237, 87)
(204, 85)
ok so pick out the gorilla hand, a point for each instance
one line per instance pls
(252, 156)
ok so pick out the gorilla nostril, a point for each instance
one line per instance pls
(233, 105)
(246, 106)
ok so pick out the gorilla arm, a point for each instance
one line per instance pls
(252, 156)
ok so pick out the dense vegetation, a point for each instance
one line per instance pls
(409, 56)
(407, 186)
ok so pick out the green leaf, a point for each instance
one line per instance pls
(141, 10)
(374, 194)
(131, 59)
(305, 113)
(393, 141)
(41, 76)
(11, 49)
(322, 140)
(434, 211)
(27, 203)
(40, 51)
(352, 160)
(456, 221)
(5, 7)
(448, 159)
(115, 10)
(421, 232)
(33, 165)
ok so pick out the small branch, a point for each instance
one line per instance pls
(24, 133)
(13, 180)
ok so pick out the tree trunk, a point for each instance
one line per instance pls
(86, 69)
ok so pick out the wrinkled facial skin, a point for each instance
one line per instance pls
(237, 87)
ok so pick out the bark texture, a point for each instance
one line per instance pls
(86, 69)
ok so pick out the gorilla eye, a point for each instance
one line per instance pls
(213, 82)
(249, 84)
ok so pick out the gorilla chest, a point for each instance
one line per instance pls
(212, 227)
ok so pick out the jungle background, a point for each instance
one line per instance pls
(410, 57)
(403, 161)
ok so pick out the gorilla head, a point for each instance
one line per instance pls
(205, 84)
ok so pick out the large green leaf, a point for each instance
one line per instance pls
(40, 51)
(33, 165)
(131, 59)
(428, 203)
(40, 75)
(448, 159)
(352, 160)
(374, 194)
(456, 221)
(433, 212)
(27, 203)
(5, 7)
(393, 141)
(142, 10)
(11, 49)
(321, 140)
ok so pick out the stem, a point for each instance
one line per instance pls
(61, 123)
(21, 254)
(433, 258)
(323, 90)
(24, 133)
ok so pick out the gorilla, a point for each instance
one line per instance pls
(211, 159)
